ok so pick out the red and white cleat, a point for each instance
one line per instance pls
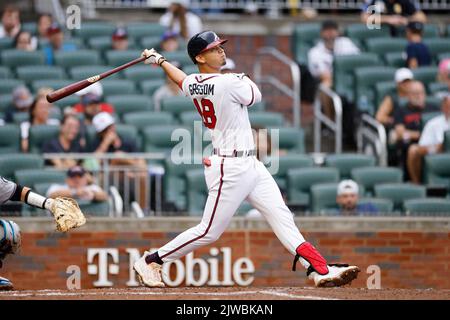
(148, 274)
(338, 275)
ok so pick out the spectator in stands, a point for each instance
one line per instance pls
(68, 141)
(417, 53)
(169, 41)
(11, 25)
(22, 100)
(444, 77)
(395, 13)
(56, 43)
(180, 20)
(431, 141)
(385, 113)
(23, 41)
(347, 198)
(44, 22)
(109, 141)
(229, 66)
(169, 89)
(91, 102)
(120, 39)
(39, 115)
(320, 57)
(78, 187)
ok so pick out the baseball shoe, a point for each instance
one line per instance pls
(338, 275)
(5, 284)
(148, 274)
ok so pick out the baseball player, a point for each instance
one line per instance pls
(233, 173)
(65, 211)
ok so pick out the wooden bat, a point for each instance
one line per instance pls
(77, 86)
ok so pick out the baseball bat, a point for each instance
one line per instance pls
(77, 86)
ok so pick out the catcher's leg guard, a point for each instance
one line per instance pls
(317, 262)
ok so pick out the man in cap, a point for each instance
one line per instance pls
(22, 99)
(120, 39)
(347, 198)
(169, 41)
(417, 52)
(56, 43)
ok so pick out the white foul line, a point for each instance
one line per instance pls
(294, 296)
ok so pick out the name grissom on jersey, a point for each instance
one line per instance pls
(201, 89)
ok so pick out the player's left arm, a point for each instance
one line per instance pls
(244, 90)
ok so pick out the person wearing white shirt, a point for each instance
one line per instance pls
(430, 142)
(178, 19)
(10, 26)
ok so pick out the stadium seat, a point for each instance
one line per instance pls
(345, 162)
(299, 182)
(6, 43)
(14, 58)
(19, 117)
(129, 132)
(365, 79)
(67, 101)
(437, 45)
(197, 191)
(39, 134)
(116, 58)
(5, 101)
(5, 72)
(385, 207)
(150, 42)
(426, 75)
(51, 83)
(187, 118)
(435, 87)
(447, 141)
(7, 85)
(42, 72)
(130, 103)
(258, 106)
(431, 31)
(427, 207)
(344, 66)
(303, 38)
(9, 139)
(31, 27)
(159, 138)
(360, 32)
(433, 101)
(148, 87)
(101, 43)
(194, 69)
(323, 197)
(290, 139)
(181, 56)
(114, 87)
(177, 105)
(383, 45)
(139, 30)
(143, 72)
(284, 163)
(144, 119)
(395, 59)
(84, 72)
(30, 177)
(95, 209)
(437, 169)
(399, 192)
(266, 119)
(9, 163)
(427, 116)
(94, 29)
(382, 89)
(370, 176)
(69, 59)
(442, 56)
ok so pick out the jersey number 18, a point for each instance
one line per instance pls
(206, 110)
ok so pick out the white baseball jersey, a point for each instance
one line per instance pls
(7, 189)
(222, 101)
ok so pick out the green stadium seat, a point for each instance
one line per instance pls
(7, 85)
(266, 119)
(300, 181)
(95, 209)
(159, 138)
(67, 101)
(41, 188)
(427, 207)
(30, 177)
(365, 79)
(431, 31)
(114, 87)
(290, 139)
(181, 56)
(117, 58)
(150, 42)
(343, 66)
(31, 27)
(32, 73)
(69, 59)
(39, 135)
(6, 43)
(50, 83)
(395, 59)
(130, 103)
(5, 101)
(347, 161)
(143, 73)
(94, 29)
(11, 162)
(382, 89)
(194, 69)
(14, 58)
(382, 45)
(399, 192)
(284, 164)
(304, 36)
(9, 139)
(427, 116)
(187, 118)
(144, 119)
(101, 43)
(84, 72)
(370, 176)
(128, 132)
(177, 105)
(360, 32)
(426, 75)
(148, 87)
(5, 73)
(447, 141)
(447, 31)
(442, 56)
(258, 106)
(323, 197)
(385, 207)
(433, 101)
(435, 87)
(142, 29)
(197, 191)
(19, 117)
(437, 169)
(437, 45)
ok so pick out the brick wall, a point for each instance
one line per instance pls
(407, 259)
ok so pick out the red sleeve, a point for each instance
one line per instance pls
(78, 108)
(106, 107)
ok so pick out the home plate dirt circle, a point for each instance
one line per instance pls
(230, 293)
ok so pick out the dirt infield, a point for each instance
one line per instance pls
(230, 293)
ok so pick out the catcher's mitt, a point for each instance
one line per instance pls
(67, 214)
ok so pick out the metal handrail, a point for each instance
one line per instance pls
(320, 118)
(295, 92)
(375, 132)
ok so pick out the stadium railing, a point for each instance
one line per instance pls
(371, 134)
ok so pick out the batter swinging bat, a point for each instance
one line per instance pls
(77, 86)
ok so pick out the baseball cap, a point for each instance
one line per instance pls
(54, 28)
(90, 98)
(22, 97)
(76, 171)
(169, 34)
(415, 26)
(403, 74)
(329, 24)
(102, 121)
(120, 33)
(229, 65)
(347, 186)
(96, 88)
